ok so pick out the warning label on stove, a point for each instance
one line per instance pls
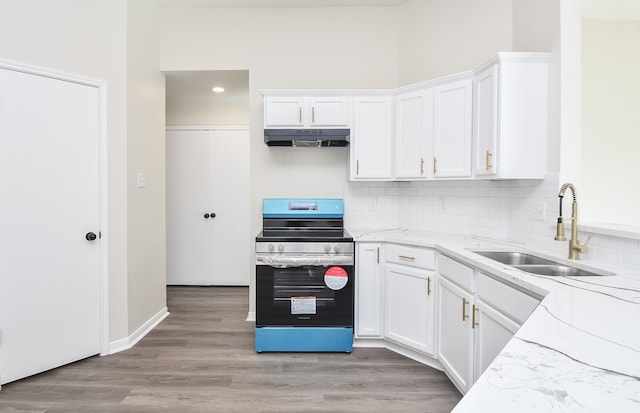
(303, 305)
(336, 278)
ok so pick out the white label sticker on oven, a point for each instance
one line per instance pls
(336, 278)
(303, 305)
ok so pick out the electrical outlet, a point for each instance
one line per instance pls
(537, 211)
(373, 204)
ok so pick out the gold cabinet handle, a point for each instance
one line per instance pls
(406, 257)
(421, 166)
(313, 115)
(487, 160)
(300, 114)
(357, 167)
(435, 165)
(428, 285)
(473, 318)
(464, 309)
(378, 255)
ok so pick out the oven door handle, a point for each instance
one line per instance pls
(298, 261)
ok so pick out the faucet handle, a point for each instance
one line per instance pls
(583, 248)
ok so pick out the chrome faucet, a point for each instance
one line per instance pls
(575, 248)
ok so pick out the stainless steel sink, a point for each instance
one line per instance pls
(515, 258)
(555, 270)
(536, 265)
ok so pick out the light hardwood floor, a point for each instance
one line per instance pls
(201, 359)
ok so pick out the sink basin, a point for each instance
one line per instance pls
(515, 258)
(535, 265)
(555, 270)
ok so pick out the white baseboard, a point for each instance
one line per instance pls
(399, 349)
(251, 316)
(130, 341)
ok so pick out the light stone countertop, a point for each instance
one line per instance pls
(579, 351)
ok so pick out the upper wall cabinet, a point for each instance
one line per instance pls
(452, 129)
(371, 138)
(300, 111)
(413, 120)
(510, 117)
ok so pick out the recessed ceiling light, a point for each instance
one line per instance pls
(218, 89)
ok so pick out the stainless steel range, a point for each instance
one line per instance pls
(304, 277)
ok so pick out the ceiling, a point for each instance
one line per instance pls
(196, 85)
(280, 3)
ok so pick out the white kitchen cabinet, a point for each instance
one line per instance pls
(510, 117)
(410, 297)
(455, 333)
(371, 138)
(290, 111)
(493, 330)
(368, 305)
(452, 129)
(478, 315)
(413, 116)
(208, 206)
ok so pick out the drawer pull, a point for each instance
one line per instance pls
(406, 257)
(473, 318)
(464, 309)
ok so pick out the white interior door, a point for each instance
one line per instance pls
(188, 235)
(49, 180)
(208, 207)
(230, 202)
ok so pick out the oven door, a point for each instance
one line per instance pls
(304, 295)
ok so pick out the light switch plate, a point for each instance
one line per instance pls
(141, 180)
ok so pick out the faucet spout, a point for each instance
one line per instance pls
(575, 248)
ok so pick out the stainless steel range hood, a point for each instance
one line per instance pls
(307, 137)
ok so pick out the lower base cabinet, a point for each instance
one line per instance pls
(401, 299)
(477, 315)
(455, 335)
(492, 333)
(410, 307)
(368, 294)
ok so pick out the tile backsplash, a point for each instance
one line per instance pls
(522, 212)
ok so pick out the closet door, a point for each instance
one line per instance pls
(188, 203)
(229, 197)
(208, 240)
(50, 294)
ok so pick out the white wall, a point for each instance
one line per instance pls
(324, 48)
(94, 38)
(610, 121)
(86, 38)
(536, 28)
(146, 255)
(438, 38)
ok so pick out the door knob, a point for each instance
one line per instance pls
(213, 215)
(90, 236)
(206, 216)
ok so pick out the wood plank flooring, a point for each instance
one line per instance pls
(201, 359)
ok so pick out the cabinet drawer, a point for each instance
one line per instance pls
(511, 302)
(412, 256)
(457, 273)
